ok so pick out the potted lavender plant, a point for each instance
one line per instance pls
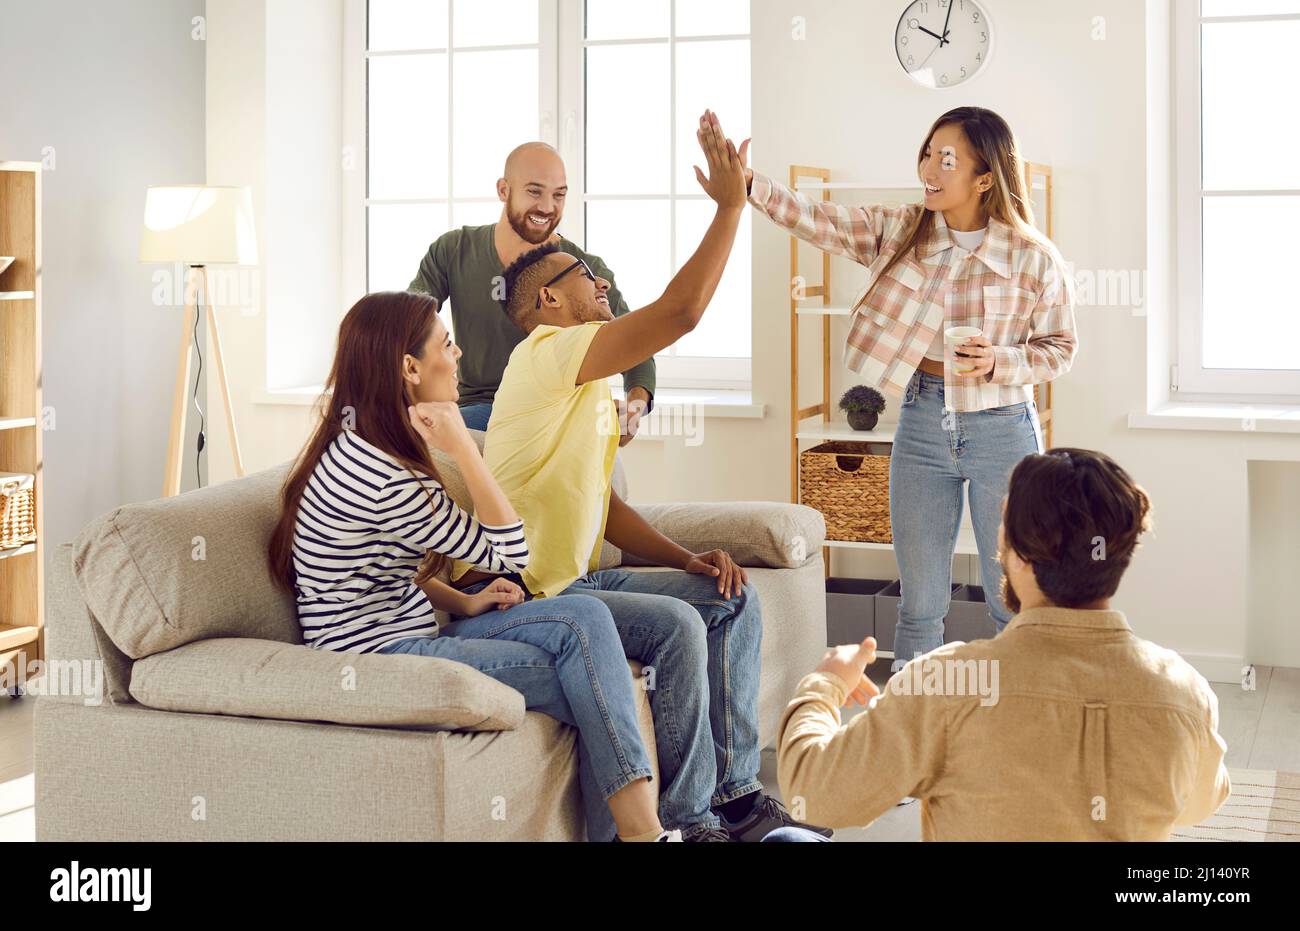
(863, 405)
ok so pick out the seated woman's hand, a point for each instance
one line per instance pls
(499, 594)
(441, 425)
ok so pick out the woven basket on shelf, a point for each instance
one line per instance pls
(17, 510)
(849, 484)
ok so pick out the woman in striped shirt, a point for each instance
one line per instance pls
(365, 526)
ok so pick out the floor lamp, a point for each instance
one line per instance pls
(197, 226)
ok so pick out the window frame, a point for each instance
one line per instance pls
(1189, 379)
(562, 46)
(673, 371)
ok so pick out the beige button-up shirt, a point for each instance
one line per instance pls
(1066, 726)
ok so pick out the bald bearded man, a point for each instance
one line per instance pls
(467, 265)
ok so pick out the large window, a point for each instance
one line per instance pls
(452, 85)
(652, 67)
(1238, 193)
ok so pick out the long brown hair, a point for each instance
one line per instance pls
(997, 151)
(364, 392)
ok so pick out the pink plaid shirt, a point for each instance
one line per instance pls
(1017, 291)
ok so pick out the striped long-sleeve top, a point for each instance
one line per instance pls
(362, 527)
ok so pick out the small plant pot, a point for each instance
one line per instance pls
(863, 420)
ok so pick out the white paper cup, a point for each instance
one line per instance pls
(955, 336)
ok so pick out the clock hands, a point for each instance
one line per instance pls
(943, 39)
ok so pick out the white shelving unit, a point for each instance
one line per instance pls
(804, 178)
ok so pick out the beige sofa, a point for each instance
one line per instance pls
(216, 723)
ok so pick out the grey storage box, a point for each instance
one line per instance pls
(851, 609)
(968, 616)
(887, 600)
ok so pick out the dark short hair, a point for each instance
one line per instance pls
(522, 278)
(1075, 516)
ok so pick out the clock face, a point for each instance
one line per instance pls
(943, 43)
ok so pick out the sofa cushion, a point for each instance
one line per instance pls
(756, 533)
(163, 573)
(270, 679)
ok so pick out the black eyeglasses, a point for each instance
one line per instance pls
(586, 270)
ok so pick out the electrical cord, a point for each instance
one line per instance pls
(198, 350)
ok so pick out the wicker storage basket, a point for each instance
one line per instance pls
(17, 510)
(849, 484)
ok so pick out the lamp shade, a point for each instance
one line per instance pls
(199, 225)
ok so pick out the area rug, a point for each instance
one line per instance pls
(1264, 806)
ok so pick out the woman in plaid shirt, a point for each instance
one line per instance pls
(969, 255)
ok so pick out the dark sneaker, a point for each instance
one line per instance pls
(766, 816)
(703, 835)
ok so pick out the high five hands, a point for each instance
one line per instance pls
(728, 179)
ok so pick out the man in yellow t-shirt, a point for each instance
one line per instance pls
(550, 445)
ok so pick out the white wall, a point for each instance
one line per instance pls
(114, 92)
(838, 99)
(271, 70)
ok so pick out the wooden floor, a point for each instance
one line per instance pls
(1261, 728)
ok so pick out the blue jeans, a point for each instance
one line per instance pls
(935, 452)
(563, 654)
(703, 684)
(476, 416)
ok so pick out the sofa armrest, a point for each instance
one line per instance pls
(270, 679)
(770, 534)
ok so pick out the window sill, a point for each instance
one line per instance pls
(304, 397)
(1219, 416)
(710, 403)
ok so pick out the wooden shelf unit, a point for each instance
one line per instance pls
(22, 571)
(1038, 178)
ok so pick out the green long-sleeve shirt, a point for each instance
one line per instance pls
(463, 265)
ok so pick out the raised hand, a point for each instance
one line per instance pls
(726, 183)
(849, 663)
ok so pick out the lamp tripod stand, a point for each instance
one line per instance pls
(189, 338)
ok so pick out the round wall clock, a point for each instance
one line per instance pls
(943, 43)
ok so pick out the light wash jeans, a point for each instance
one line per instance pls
(476, 416)
(563, 654)
(701, 651)
(935, 452)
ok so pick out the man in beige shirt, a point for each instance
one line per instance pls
(1066, 726)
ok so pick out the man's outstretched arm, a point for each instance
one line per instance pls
(637, 336)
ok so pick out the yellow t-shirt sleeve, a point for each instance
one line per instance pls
(559, 354)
